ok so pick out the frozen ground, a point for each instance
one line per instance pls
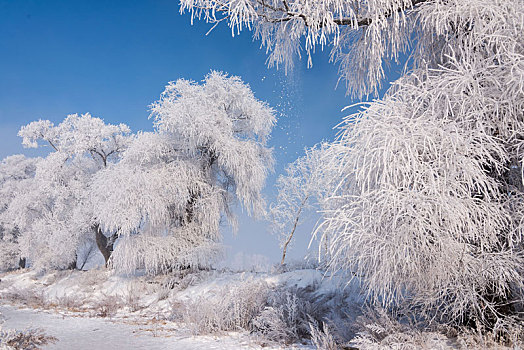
(101, 334)
(97, 309)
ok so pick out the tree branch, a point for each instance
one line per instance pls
(52, 145)
(289, 15)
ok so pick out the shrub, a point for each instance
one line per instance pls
(288, 313)
(70, 302)
(30, 339)
(322, 338)
(232, 308)
(28, 297)
(107, 305)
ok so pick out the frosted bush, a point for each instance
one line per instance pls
(322, 338)
(28, 297)
(133, 295)
(29, 339)
(230, 308)
(107, 305)
(70, 302)
(378, 330)
(288, 315)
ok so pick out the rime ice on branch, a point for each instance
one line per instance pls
(430, 195)
(361, 34)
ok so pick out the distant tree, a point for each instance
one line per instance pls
(429, 196)
(55, 211)
(168, 194)
(300, 190)
(16, 172)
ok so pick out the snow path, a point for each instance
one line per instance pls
(77, 333)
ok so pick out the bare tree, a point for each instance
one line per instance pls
(300, 191)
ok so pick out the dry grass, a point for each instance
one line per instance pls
(232, 308)
(95, 277)
(107, 306)
(132, 297)
(30, 339)
(26, 297)
(70, 302)
(322, 338)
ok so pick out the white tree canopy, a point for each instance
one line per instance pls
(53, 211)
(222, 124)
(174, 185)
(16, 174)
(78, 135)
(431, 175)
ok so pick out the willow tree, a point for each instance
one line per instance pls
(169, 193)
(429, 201)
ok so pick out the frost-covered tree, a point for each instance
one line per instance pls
(168, 194)
(431, 175)
(54, 211)
(146, 199)
(300, 190)
(429, 200)
(16, 173)
(363, 35)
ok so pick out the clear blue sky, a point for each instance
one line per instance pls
(113, 58)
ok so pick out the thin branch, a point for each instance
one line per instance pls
(52, 145)
(288, 15)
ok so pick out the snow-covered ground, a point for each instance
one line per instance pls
(103, 334)
(98, 309)
(220, 309)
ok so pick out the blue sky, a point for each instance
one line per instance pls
(113, 59)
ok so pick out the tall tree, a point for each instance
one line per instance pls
(171, 189)
(301, 190)
(55, 210)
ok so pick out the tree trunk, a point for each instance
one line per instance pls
(72, 266)
(105, 244)
(190, 208)
(21, 263)
(295, 223)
